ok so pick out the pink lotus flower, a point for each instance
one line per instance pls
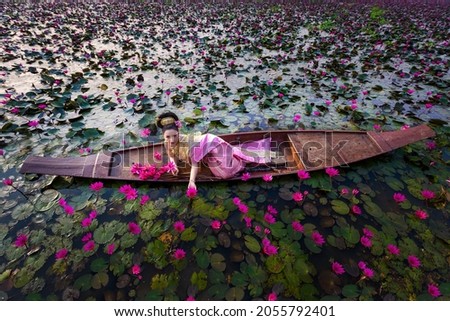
(145, 132)
(246, 176)
(365, 241)
(404, 127)
(356, 210)
(89, 246)
(355, 191)
(272, 210)
(257, 229)
(144, 200)
(328, 102)
(433, 290)
(431, 145)
(269, 218)
(236, 201)
(179, 226)
(69, 209)
(317, 238)
(21, 240)
(216, 224)
(410, 91)
(362, 265)
(179, 254)
(42, 106)
(427, 194)
(8, 182)
(367, 233)
(267, 178)
(2, 152)
(302, 174)
(87, 237)
(337, 268)
(157, 156)
(393, 249)
(368, 272)
(110, 248)
(297, 196)
(96, 186)
(399, 197)
(33, 123)
(136, 269)
(248, 221)
(421, 214)
(268, 248)
(413, 261)
(272, 296)
(377, 127)
(344, 191)
(129, 192)
(134, 228)
(243, 208)
(190, 298)
(86, 222)
(61, 254)
(297, 226)
(331, 171)
(297, 118)
(428, 105)
(191, 192)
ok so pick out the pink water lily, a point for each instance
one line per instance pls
(317, 238)
(272, 296)
(414, 261)
(179, 254)
(297, 226)
(61, 254)
(21, 240)
(96, 186)
(421, 214)
(433, 290)
(246, 176)
(393, 249)
(337, 268)
(216, 224)
(302, 174)
(297, 196)
(134, 228)
(110, 248)
(331, 171)
(427, 194)
(89, 246)
(179, 226)
(399, 197)
(356, 210)
(191, 192)
(365, 241)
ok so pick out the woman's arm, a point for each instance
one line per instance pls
(193, 176)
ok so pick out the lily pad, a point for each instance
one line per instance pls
(351, 291)
(83, 283)
(46, 200)
(188, 234)
(235, 294)
(99, 265)
(103, 234)
(202, 259)
(252, 244)
(99, 280)
(340, 207)
(22, 211)
(218, 262)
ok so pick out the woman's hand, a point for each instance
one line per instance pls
(192, 184)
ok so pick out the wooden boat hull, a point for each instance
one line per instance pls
(309, 150)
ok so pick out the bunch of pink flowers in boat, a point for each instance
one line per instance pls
(150, 171)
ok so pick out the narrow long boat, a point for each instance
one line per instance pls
(291, 150)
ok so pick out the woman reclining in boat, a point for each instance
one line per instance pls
(224, 160)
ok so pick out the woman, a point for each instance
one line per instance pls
(224, 160)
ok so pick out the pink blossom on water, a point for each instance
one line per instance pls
(355, 191)
(297, 226)
(61, 254)
(344, 191)
(365, 241)
(179, 254)
(216, 224)
(317, 238)
(410, 91)
(399, 197)
(297, 196)
(337, 268)
(190, 298)
(269, 218)
(393, 249)
(297, 118)
(191, 192)
(331, 171)
(246, 176)
(129, 192)
(414, 261)
(42, 106)
(110, 248)
(272, 296)
(404, 127)
(33, 123)
(248, 221)
(377, 127)
(431, 145)
(87, 237)
(236, 201)
(134, 228)
(368, 272)
(21, 240)
(362, 265)
(268, 248)
(145, 132)
(267, 178)
(68, 209)
(243, 208)
(356, 210)
(136, 269)
(8, 182)
(367, 232)
(179, 226)
(421, 214)
(144, 200)
(302, 174)
(2, 152)
(427, 194)
(428, 105)
(157, 156)
(89, 246)
(96, 186)
(272, 210)
(86, 222)
(328, 102)
(433, 290)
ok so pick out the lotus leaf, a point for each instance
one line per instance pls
(252, 244)
(278, 230)
(216, 277)
(218, 262)
(188, 234)
(103, 234)
(46, 200)
(394, 183)
(3, 231)
(22, 211)
(275, 264)
(351, 235)
(310, 209)
(200, 280)
(351, 291)
(119, 261)
(99, 265)
(340, 207)
(99, 280)
(308, 292)
(373, 209)
(235, 294)
(312, 246)
(218, 291)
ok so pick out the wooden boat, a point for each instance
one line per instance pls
(295, 150)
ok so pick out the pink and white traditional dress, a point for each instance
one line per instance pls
(223, 159)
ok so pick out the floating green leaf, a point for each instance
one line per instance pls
(218, 262)
(340, 207)
(252, 244)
